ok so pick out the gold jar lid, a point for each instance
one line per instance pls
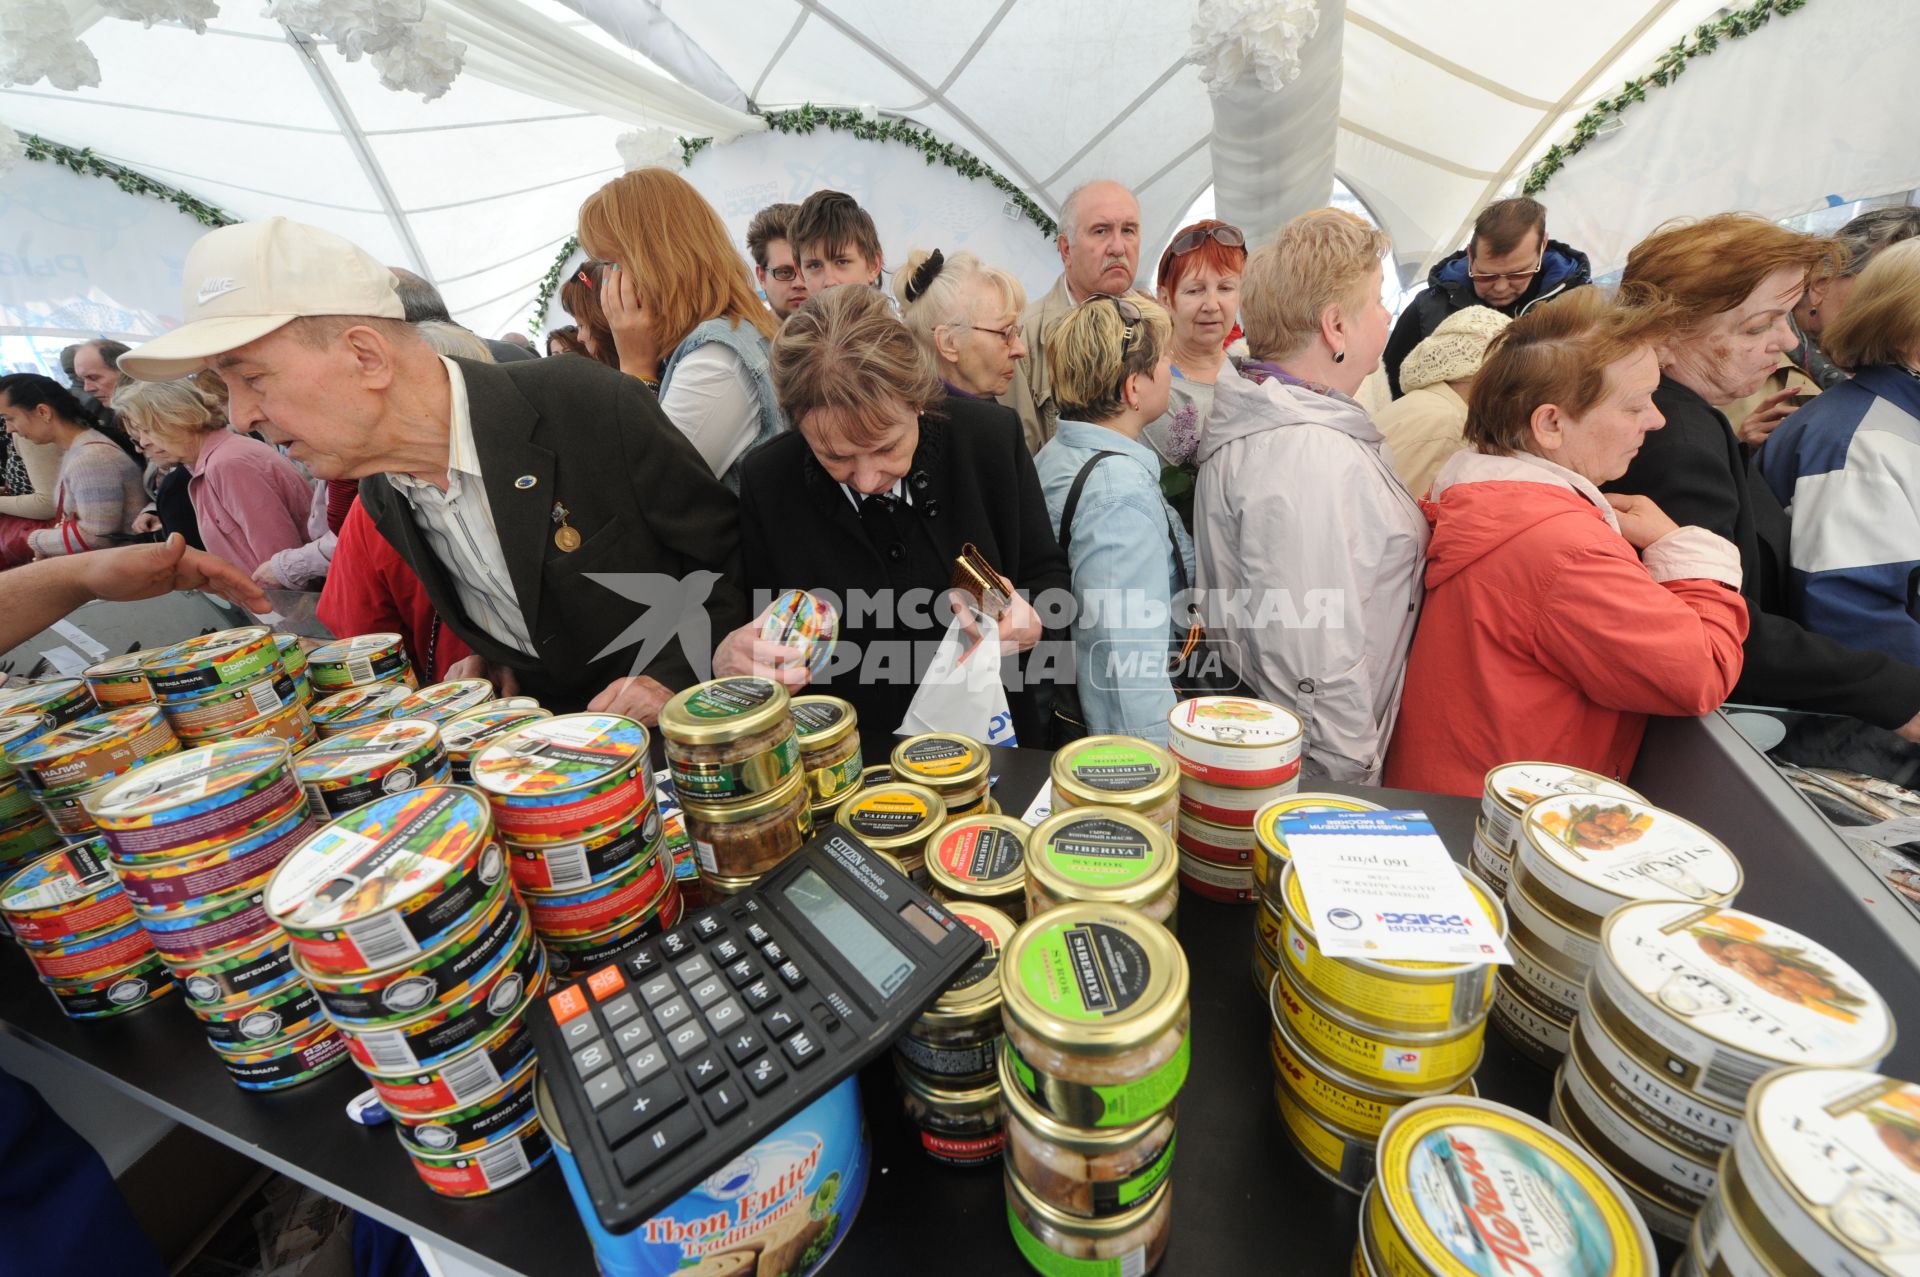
(766, 804)
(975, 992)
(723, 710)
(979, 855)
(1101, 853)
(945, 762)
(1094, 979)
(822, 721)
(1090, 1140)
(1115, 771)
(893, 818)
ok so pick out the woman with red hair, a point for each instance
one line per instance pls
(1199, 284)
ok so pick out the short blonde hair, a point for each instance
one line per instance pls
(1090, 358)
(844, 351)
(1881, 323)
(453, 341)
(1319, 259)
(168, 409)
(685, 268)
(948, 299)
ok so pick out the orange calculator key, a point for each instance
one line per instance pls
(567, 1003)
(606, 983)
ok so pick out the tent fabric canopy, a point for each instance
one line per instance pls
(1441, 107)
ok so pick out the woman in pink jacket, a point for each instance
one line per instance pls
(1558, 618)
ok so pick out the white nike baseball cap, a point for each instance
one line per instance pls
(242, 282)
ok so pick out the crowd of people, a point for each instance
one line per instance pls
(1512, 524)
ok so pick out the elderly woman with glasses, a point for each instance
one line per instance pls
(1309, 547)
(967, 315)
(1110, 363)
(1198, 282)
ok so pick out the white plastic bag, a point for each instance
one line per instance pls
(964, 695)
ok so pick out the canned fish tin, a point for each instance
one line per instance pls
(982, 859)
(442, 701)
(1721, 997)
(1556, 985)
(16, 800)
(956, 1042)
(1679, 1179)
(293, 656)
(1532, 1028)
(1828, 1157)
(196, 800)
(1594, 854)
(22, 839)
(403, 991)
(1102, 855)
(231, 977)
(1489, 861)
(510, 1158)
(1057, 1244)
(1661, 1219)
(1398, 996)
(1228, 884)
(1649, 1101)
(358, 661)
(551, 781)
(1118, 771)
(602, 906)
(1467, 1187)
(951, 765)
(92, 956)
(292, 724)
(89, 751)
(1553, 931)
(1224, 805)
(290, 1011)
(120, 681)
(1334, 1098)
(351, 768)
(279, 1065)
(242, 865)
(1093, 1174)
(229, 710)
(469, 1014)
(1340, 1156)
(461, 1078)
(1095, 1008)
(807, 622)
(1727, 1240)
(54, 703)
(214, 662)
(1234, 740)
(386, 881)
(145, 981)
(729, 740)
(587, 953)
(599, 855)
(182, 935)
(465, 735)
(1403, 1063)
(1270, 853)
(63, 896)
(355, 707)
(1513, 787)
(473, 1126)
(1227, 845)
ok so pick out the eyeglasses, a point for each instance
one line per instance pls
(1188, 240)
(1129, 315)
(785, 274)
(1008, 335)
(1510, 276)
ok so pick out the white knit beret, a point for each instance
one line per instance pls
(1455, 350)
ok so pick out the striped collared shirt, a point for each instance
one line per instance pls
(458, 527)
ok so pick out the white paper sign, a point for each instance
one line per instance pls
(1381, 885)
(1042, 805)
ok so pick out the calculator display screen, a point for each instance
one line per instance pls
(869, 952)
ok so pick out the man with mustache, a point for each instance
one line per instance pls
(1100, 249)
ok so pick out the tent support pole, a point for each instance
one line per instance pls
(356, 139)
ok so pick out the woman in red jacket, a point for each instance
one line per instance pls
(1556, 618)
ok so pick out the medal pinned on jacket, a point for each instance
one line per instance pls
(564, 534)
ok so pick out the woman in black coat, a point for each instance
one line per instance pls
(870, 500)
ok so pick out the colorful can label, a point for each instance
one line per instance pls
(552, 780)
(351, 768)
(88, 751)
(479, 1124)
(212, 662)
(463, 1020)
(145, 982)
(194, 800)
(185, 935)
(403, 993)
(462, 1078)
(93, 956)
(564, 867)
(290, 1011)
(355, 707)
(187, 881)
(279, 1065)
(509, 1159)
(356, 661)
(64, 895)
(120, 681)
(30, 836)
(604, 905)
(236, 976)
(52, 703)
(442, 701)
(232, 709)
(589, 952)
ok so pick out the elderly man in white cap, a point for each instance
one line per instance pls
(507, 488)
(1427, 424)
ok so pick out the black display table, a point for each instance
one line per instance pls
(1242, 1196)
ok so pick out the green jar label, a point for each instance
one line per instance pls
(726, 781)
(727, 697)
(1119, 1104)
(1051, 1263)
(1099, 852)
(1110, 1197)
(1115, 768)
(831, 783)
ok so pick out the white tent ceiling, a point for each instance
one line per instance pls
(1443, 105)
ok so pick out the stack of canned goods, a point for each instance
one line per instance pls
(194, 839)
(734, 754)
(359, 661)
(1824, 1177)
(982, 859)
(443, 701)
(1270, 860)
(1118, 771)
(1095, 1011)
(1103, 855)
(54, 703)
(64, 765)
(829, 731)
(76, 924)
(356, 766)
(953, 766)
(465, 734)
(573, 799)
(25, 831)
(1582, 856)
(1510, 789)
(1354, 1040)
(1687, 1008)
(1236, 755)
(402, 916)
(342, 711)
(948, 1061)
(898, 820)
(293, 659)
(119, 682)
(228, 684)
(1467, 1186)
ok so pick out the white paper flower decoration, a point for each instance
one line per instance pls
(1233, 39)
(355, 27)
(192, 14)
(37, 42)
(425, 60)
(648, 148)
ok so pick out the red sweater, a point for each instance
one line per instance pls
(370, 589)
(1544, 636)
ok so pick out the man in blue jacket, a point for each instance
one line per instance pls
(1509, 264)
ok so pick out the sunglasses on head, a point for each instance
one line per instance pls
(1129, 315)
(1188, 240)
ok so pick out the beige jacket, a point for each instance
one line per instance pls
(1031, 394)
(43, 467)
(1423, 427)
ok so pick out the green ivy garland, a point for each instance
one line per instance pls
(806, 119)
(1666, 69)
(82, 160)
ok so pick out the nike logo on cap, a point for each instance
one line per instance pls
(216, 286)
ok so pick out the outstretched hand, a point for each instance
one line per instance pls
(148, 571)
